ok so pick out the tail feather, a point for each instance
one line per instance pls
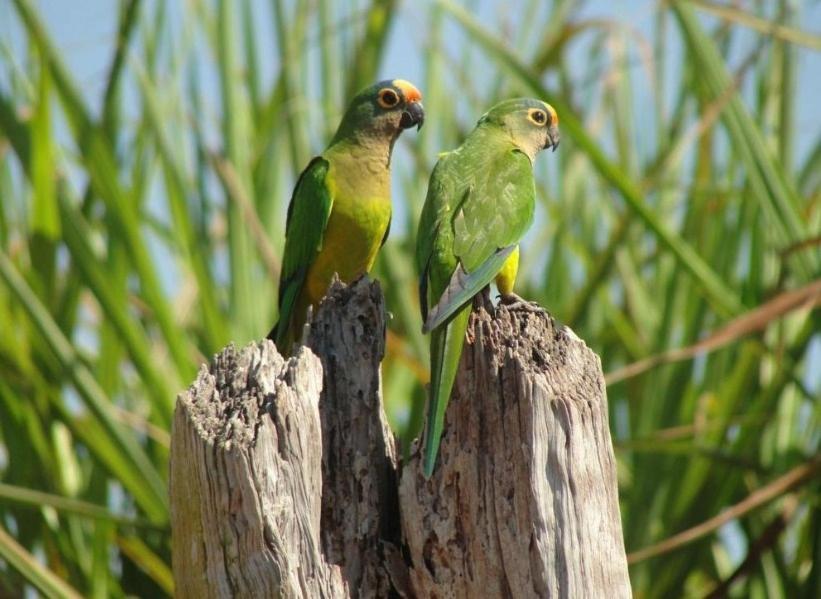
(288, 328)
(463, 286)
(446, 345)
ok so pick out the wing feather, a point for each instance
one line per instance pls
(308, 214)
(478, 208)
(497, 212)
(463, 286)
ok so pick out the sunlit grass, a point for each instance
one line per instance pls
(677, 233)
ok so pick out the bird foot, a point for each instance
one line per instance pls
(513, 301)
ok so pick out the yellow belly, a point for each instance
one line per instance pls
(507, 274)
(352, 239)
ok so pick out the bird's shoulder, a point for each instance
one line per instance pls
(311, 190)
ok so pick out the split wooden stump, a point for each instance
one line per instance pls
(285, 478)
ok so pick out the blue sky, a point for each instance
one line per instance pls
(84, 31)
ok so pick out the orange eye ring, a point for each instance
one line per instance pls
(538, 117)
(387, 98)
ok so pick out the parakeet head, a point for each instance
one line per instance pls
(532, 124)
(382, 111)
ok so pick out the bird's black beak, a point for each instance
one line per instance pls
(413, 114)
(553, 137)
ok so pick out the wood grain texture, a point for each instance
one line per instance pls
(284, 476)
(359, 501)
(523, 501)
(246, 479)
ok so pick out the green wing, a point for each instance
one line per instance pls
(463, 286)
(307, 218)
(496, 214)
(487, 224)
(478, 208)
(430, 230)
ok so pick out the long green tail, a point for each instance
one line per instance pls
(446, 344)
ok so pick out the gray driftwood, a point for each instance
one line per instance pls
(359, 502)
(246, 477)
(284, 477)
(524, 500)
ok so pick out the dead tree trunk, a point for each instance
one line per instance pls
(284, 476)
(524, 500)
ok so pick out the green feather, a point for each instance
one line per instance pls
(351, 179)
(463, 286)
(480, 202)
(308, 214)
(445, 350)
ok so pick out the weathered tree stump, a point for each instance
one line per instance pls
(246, 479)
(359, 501)
(524, 501)
(284, 476)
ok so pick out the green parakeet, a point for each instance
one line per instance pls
(340, 210)
(480, 202)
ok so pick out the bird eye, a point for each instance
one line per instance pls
(537, 116)
(387, 98)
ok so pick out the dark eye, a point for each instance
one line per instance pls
(538, 116)
(387, 98)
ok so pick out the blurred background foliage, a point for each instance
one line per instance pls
(141, 228)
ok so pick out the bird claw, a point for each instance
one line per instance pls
(513, 301)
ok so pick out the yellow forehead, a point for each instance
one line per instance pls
(554, 118)
(408, 90)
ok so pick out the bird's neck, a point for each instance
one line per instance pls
(361, 167)
(499, 140)
(372, 148)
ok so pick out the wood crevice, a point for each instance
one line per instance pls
(286, 480)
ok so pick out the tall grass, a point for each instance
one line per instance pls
(677, 233)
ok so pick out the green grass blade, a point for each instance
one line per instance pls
(125, 31)
(777, 30)
(40, 577)
(368, 54)
(293, 100)
(149, 489)
(767, 181)
(148, 561)
(45, 219)
(244, 308)
(77, 236)
(719, 294)
(179, 202)
(69, 505)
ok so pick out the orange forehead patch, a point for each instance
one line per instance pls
(408, 90)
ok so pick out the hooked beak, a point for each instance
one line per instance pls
(413, 114)
(553, 137)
